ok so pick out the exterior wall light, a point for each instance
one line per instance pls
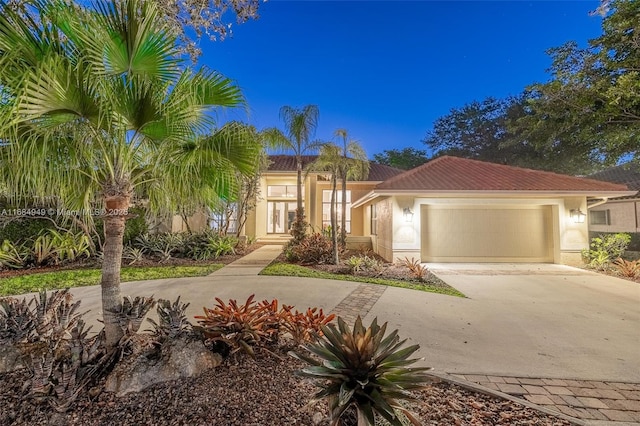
(577, 216)
(408, 214)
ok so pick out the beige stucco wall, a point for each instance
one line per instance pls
(568, 238)
(624, 216)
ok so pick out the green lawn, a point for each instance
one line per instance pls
(84, 277)
(290, 270)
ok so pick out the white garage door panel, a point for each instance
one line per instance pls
(485, 234)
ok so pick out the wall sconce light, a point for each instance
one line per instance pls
(408, 214)
(577, 216)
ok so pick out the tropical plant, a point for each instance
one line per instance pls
(300, 124)
(364, 369)
(304, 326)
(55, 345)
(14, 256)
(330, 160)
(627, 268)
(96, 106)
(362, 263)
(418, 270)
(132, 255)
(172, 320)
(238, 327)
(313, 249)
(354, 165)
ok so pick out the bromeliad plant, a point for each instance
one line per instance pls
(362, 368)
(239, 327)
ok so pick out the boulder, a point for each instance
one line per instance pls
(180, 358)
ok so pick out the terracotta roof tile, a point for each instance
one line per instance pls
(287, 163)
(460, 174)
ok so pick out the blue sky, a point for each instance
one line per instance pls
(385, 70)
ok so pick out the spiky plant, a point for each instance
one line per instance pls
(362, 368)
(132, 313)
(172, 320)
(17, 321)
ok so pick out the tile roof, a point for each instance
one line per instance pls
(287, 163)
(460, 174)
(628, 174)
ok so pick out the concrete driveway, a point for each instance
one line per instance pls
(523, 320)
(518, 320)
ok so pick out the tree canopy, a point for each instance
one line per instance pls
(405, 158)
(484, 130)
(592, 102)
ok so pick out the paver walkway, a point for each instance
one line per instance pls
(581, 399)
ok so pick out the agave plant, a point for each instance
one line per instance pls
(363, 369)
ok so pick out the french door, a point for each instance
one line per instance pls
(280, 216)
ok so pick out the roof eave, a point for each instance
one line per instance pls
(493, 193)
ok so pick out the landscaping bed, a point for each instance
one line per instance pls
(244, 391)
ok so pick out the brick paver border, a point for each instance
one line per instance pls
(359, 302)
(608, 401)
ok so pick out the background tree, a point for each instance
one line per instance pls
(300, 124)
(354, 165)
(592, 102)
(405, 158)
(483, 130)
(95, 107)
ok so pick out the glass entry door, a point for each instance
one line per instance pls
(280, 216)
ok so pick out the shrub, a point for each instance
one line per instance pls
(136, 225)
(24, 229)
(313, 249)
(604, 248)
(419, 271)
(362, 369)
(627, 268)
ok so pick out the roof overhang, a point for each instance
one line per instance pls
(374, 194)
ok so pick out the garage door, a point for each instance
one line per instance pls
(486, 234)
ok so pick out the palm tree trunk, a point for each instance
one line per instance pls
(334, 220)
(114, 223)
(299, 188)
(343, 219)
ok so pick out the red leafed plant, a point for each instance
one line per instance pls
(239, 327)
(627, 268)
(304, 327)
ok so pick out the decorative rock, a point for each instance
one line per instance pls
(180, 358)
(10, 358)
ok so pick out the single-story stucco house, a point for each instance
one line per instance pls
(447, 210)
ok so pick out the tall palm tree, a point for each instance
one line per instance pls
(354, 165)
(96, 107)
(329, 160)
(300, 124)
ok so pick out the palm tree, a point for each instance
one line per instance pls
(95, 107)
(330, 160)
(300, 126)
(354, 166)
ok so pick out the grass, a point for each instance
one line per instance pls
(85, 277)
(290, 270)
